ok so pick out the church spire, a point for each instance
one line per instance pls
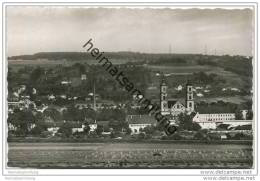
(163, 81)
(163, 96)
(189, 97)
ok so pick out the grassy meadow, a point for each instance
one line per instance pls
(129, 155)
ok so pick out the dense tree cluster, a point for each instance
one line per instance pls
(48, 82)
(185, 122)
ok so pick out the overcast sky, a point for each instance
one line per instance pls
(51, 29)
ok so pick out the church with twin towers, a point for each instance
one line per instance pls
(175, 107)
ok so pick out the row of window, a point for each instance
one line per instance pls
(217, 119)
(219, 115)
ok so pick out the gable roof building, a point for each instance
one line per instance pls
(175, 107)
(138, 122)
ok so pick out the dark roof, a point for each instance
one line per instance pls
(140, 119)
(60, 123)
(100, 102)
(171, 103)
(90, 121)
(103, 123)
(213, 109)
(244, 127)
(168, 116)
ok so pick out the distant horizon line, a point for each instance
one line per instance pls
(134, 52)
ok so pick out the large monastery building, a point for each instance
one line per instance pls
(172, 108)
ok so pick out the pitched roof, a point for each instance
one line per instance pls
(173, 102)
(140, 119)
(213, 109)
(103, 123)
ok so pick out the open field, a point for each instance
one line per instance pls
(231, 99)
(129, 155)
(179, 69)
(170, 71)
(16, 64)
(179, 74)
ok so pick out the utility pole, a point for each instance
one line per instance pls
(94, 97)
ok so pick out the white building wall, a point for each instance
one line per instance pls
(213, 125)
(135, 128)
(78, 129)
(177, 109)
(210, 121)
(53, 130)
(238, 122)
(208, 125)
(244, 113)
(220, 117)
(93, 127)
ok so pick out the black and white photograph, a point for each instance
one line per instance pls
(129, 87)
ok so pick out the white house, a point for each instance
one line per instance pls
(51, 97)
(16, 94)
(53, 130)
(200, 95)
(93, 126)
(198, 88)
(63, 96)
(234, 123)
(65, 82)
(244, 113)
(83, 77)
(235, 89)
(34, 91)
(137, 122)
(179, 88)
(78, 129)
(42, 108)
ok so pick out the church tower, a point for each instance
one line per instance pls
(163, 97)
(189, 98)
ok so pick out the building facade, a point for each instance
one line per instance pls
(138, 122)
(216, 117)
(211, 121)
(174, 108)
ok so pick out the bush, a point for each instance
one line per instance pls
(46, 134)
(214, 136)
(141, 135)
(176, 136)
(65, 130)
(38, 130)
(242, 136)
(201, 135)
